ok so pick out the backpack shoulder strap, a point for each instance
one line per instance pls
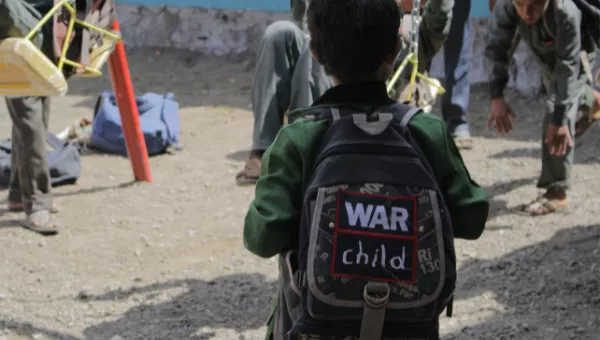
(402, 113)
(318, 112)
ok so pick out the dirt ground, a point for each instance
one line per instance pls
(166, 260)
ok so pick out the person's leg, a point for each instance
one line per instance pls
(277, 56)
(15, 200)
(29, 116)
(455, 101)
(309, 81)
(555, 176)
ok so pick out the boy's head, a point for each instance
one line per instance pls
(530, 10)
(355, 40)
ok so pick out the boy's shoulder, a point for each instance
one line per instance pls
(426, 118)
(427, 123)
(303, 132)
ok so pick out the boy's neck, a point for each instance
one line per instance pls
(367, 79)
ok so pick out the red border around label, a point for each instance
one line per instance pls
(337, 230)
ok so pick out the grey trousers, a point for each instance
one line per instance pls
(556, 170)
(30, 177)
(286, 78)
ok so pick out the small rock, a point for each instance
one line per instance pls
(85, 293)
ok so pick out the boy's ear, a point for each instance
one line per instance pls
(399, 42)
(314, 53)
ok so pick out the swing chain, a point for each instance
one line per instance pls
(415, 22)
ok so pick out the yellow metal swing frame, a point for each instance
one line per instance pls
(413, 58)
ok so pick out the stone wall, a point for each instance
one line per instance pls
(226, 32)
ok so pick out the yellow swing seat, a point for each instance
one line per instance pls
(26, 71)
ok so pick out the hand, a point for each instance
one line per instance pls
(492, 4)
(501, 116)
(558, 139)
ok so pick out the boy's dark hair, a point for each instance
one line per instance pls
(353, 37)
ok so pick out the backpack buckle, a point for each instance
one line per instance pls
(376, 295)
(300, 279)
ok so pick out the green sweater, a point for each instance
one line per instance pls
(272, 223)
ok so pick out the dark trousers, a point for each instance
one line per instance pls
(287, 77)
(30, 177)
(455, 101)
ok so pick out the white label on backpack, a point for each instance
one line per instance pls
(375, 237)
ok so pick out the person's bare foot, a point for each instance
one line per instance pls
(251, 171)
(40, 222)
(553, 200)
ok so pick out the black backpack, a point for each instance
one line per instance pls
(376, 247)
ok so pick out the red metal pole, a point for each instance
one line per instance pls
(130, 117)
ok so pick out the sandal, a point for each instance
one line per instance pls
(250, 174)
(41, 223)
(463, 143)
(543, 206)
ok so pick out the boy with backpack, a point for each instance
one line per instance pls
(559, 34)
(362, 197)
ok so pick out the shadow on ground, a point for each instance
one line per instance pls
(586, 149)
(238, 156)
(499, 207)
(549, 290)
(236, 302)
